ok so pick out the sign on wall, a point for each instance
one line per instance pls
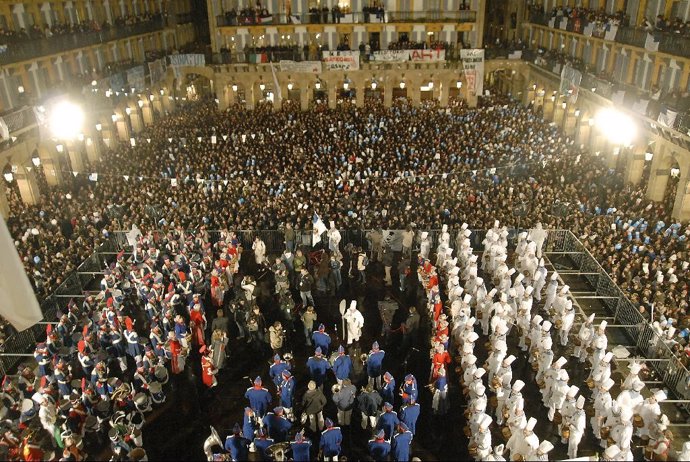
(341, 60)
(473, 66)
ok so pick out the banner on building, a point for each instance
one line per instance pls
(302, 67)
(428, 56)
(341, 60)
(117, 82)
(157, 70)
(391, 55)
(650, 43)
(570, 82)
(667, 117)
(189, 59)
(136, 78)
(473, 66)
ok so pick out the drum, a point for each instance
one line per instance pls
(141, 401)
(161, 374)
(137, 454)
(493, 402)
(91, 423)
(102, 409)
(137, 419)
(565, 432)
(558, 324)
(472, 449)
(637, 421)
(157, 394)
(648, 453)
(517, 458)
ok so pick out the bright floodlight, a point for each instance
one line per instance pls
(617, 126)
(66, 120)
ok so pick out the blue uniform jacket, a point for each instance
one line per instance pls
(342, 367)
(387, 422)
(388, 392)
(249, 425)
(261, 444)
(401, 446)
(259, 399)
(300, 451)
(276, 371)
(379, 450)
(331, 439)
(287, 392)
(278, 426)
(409, 415)
(374, 363)
(238, 447)
(317, 368)
(321, 339)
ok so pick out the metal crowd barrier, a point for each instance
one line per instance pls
(625, 314)
(674, 375)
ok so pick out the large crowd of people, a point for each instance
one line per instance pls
(363, 169)
(371, 168)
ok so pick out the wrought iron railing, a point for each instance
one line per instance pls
(328, 17)
(673, 373)
(30, 49)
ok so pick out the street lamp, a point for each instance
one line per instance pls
(234, 87)
(373, 85)
(618, 127)
(7, 173)
(290, 86)
(458, 84)
(262, 86)
(402, 85)
(99, 127)
(317, 85)
(66, 120)
(35, 159)
(60, 148)
(128, 110)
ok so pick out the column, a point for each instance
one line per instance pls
(28, 187)
(635, 165)
(74, 149)
(681, 206)
(359, 94)
(444, 90)
(332, 95)
(147, 112)
(414, 93)
(658, 177)
(304, 93)
(4, 206)
(387, 93)
(135, 119)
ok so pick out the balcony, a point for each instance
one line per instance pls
(327, 17)
(669, 42)
(31, 49)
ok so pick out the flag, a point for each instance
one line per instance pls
(319, 229)
(19, 305)
(133, 235)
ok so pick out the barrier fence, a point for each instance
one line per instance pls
(649, 344)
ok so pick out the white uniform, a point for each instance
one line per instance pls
(355, 322)
(577, 428)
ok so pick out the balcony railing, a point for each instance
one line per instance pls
(30, 49)
(327, 17)
(669, 42)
